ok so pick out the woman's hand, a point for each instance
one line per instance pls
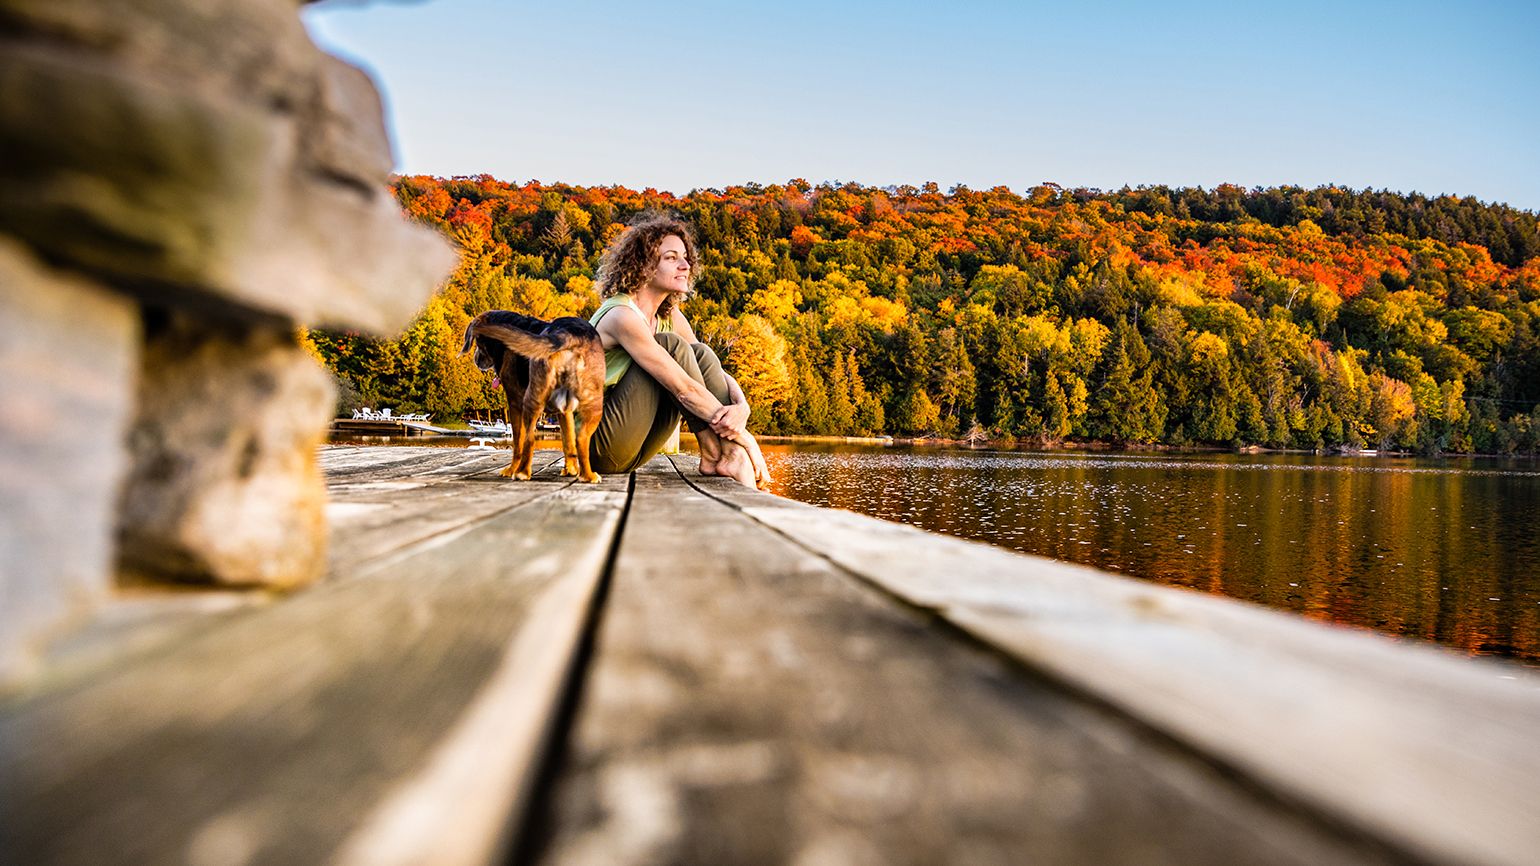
(738, 403)
(728, 422)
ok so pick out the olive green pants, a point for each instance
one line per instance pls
(640, 414)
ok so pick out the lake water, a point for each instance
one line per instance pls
(1443, 550)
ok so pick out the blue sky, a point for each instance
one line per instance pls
(1405, 96)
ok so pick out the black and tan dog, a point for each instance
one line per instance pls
(559, 364)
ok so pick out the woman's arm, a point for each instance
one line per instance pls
(731, 421)
(625, 327)
(728, 421)
(681, 325)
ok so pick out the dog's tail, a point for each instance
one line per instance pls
(524, 343)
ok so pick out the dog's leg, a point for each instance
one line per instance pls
(568, 443)
(536, 393)
(590, 413)
(524, 448)
(530, 433)
(534, 403)
(515, 426)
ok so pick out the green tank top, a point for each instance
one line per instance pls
(617, 360)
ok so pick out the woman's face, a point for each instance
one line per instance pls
(672, 271)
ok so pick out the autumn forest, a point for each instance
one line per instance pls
(1284, 317)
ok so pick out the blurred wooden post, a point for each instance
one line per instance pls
(672, 445)
(184, 213)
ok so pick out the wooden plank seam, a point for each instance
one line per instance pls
(1416, 841)
(502, 727)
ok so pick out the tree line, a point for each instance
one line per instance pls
(1279, 317)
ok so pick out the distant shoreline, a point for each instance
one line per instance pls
(1003, 444)
(1037, 445)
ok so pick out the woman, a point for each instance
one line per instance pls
(654, 366)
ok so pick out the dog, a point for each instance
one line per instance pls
(557, 364)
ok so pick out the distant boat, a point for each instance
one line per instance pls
(502, 428)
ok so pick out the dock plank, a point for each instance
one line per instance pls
(369, 515)
(1431, 753)
(770, 682)
(749, 702)
(399, 504)
(327, 726)
(385, 462)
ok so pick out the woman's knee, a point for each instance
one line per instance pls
(711, 373)
(676, 345)
(683, 355)
(705, 357)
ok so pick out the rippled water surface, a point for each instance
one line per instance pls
(1446, 550)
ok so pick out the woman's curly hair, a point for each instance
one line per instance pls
(628, 262)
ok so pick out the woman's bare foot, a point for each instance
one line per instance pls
(762, 477)
(710, 452)
(740, 461)
(734, 463)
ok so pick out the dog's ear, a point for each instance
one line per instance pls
(470, 337)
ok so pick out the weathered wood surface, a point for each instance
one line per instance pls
(394, 714)
(748, 702)
(767, 682)
(376, 508)
(1435, 755)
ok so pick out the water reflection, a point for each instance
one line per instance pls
(1447, 551)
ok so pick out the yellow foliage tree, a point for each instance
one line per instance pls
(777, 301)
(758, 362)
(1391, 408)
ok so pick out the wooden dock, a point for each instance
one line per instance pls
(383, 427)
(669, 669)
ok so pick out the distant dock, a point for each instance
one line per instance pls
(665, 668)
(390, 427)
(345, 427)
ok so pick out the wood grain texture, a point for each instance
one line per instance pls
(1432, 753)
(749, 702)
(396, 462)
(406, 496)
(282, 734)
(769, 683)
(378, 508)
